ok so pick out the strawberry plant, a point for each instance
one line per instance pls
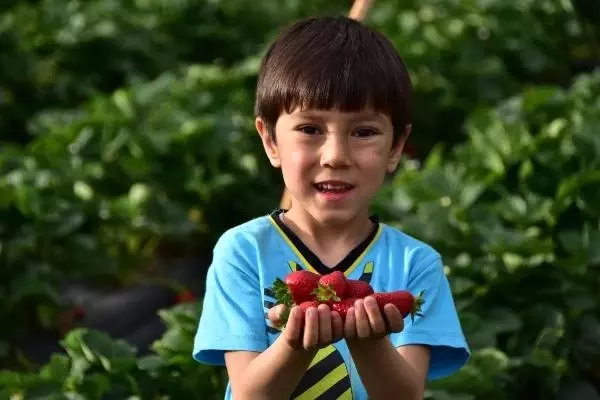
(97, 367)
(515, 213)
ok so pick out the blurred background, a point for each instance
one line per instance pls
(128, 147)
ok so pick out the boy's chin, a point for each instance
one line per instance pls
(336, 216)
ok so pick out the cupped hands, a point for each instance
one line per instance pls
(316, 327)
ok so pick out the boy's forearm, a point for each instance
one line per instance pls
(275, 373)
(384, 372)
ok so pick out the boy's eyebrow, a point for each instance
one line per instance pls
(363, 115)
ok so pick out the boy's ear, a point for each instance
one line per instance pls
(268, 142)
(397, 150)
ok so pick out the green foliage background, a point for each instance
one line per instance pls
(125, 124)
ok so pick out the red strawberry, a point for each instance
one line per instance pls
(185, 296)
(357, 289)
(406, 303)
(343, 306)
(297, 287)
(303, 307)
(307, 304)
(331, 287)
(79, 313)
(336, 281)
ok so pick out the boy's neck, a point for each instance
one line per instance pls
(331, 243)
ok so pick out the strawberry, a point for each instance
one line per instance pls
(331, 287)
(296, 288)
(185, 296)
(357, 289)
(336, 281)
(343, 306)
(307, 304)
(78, 313)
(406, 303)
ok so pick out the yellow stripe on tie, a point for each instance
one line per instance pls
(347, 395)
(294, 266)
(324, 384)
(321, 354)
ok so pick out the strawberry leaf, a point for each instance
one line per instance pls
(283, 296)
(282, 293)
(325, 293)
(416, 311)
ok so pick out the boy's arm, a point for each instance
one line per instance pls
(276, 372)
(272, 374)
(387, 372)
(430, 347)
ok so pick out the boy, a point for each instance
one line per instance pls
(333, 109)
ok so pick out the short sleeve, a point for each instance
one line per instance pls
(439, 327)
(232, 316)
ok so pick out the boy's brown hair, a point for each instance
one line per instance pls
(333, 63)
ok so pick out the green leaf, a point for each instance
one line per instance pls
(572, 241)
(594, 247)
(173, 341)
(98, 347)
(282, 293)
(47, 316)
(575, 182)
(183, 315)
(491, 361)
(57, 369)
(538, 96)
(502, 320)
(152, 363)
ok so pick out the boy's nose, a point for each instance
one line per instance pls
(335, 153)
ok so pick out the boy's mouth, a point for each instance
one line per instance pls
(333, 187)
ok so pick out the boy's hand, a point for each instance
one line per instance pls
(313, 329)
(364, 321)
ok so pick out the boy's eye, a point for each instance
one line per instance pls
(364, 133)
(309, 129)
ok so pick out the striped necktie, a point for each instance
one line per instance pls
(327, 376)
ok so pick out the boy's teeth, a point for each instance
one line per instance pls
(327, 186)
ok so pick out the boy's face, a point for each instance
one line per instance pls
(333, 163)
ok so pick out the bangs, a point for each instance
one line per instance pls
(346, 84)
(333, 64)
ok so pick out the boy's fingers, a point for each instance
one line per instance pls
(293, 328)
(350, 324)
(325, 334)
(363, 326)
(394, 318)
(376, 319)
(311, 328)
(275, 314)
(337, 326)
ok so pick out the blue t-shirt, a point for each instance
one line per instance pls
(248, 258)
